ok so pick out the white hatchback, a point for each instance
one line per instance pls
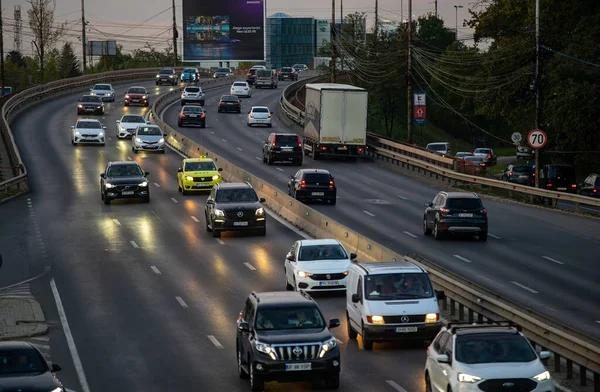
(241, 89)
(259, 115)
(88, 131)
(317, 265)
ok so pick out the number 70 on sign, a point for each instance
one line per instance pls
(537, 139)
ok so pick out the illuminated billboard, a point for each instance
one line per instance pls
(226, 30)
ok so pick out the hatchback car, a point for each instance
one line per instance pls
(487, 154)
(259, 115)
(88, 131)
(192, 115)
(192, 94)
(124, 180)
(474, 165)
(190, 75)
(241, 89)
(282, 147)
(287, 73)
(519, 174)
(230, 103)
(463, 154)
(591, 186)
(198, 174)
(127, 125)
(90, 104)
(455, 213)
(222, 73)
(136, 95)
(313, 184)
(300, 67)
(103, 90)
(148, 138)
(25, 369)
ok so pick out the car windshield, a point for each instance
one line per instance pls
(260, 110)
(264, 73)
(236, 195)
(473, 159)
(564, 172)
(493, 348)
(437, 147)
(466, 203)
(223, 70)
(135, 90)
(252, 71)
(322, 252)
(463, 154)
(88, 125)
(286, 140)
(199, 166)
(192, 89)
(101, 87)
(124, 171)
(150, 131)
(166, 72)
(90, 98)
(522, 169)
(133, 119)
(24, 360)
(240, 84)
(229, 98)
(320, 178)
(286, 69)
(192, 109)
(189, 70)
(483, 151)
(397, 286)
(278, 318)
(298, 66)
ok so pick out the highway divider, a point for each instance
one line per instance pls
(565, 343)
(420, 160)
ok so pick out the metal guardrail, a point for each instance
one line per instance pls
(404, 154)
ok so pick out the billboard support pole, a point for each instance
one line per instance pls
(174, 37)
(333, 43)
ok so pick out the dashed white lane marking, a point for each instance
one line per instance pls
(224, 140)
(524, 287)
(181, 302)
(156, 271)
(494, 236)
(239, 149)
(260, 159)
(134, 244)
(194, 219)
(397, 387)
(110, 138)
(280, 169)
(70, 341)
(368, 213)
(598, 321)
(553, 260)
(174, 200)
(410, 234)
(220, 241)
(401, 197)
(212, 132)
(129, 159)
(462, 258)
(250, 266)
(157, 185)
(215, 341)
(117, 222)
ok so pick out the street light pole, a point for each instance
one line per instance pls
(83, 39)
(538, 94)
(456, 7)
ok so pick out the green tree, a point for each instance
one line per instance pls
(16, 58)
(45, 31)
(68, 65)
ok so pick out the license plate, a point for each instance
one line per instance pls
(90, 109)
(240, 223)
(135, 100)
(342, 148)
(562, 189)
(318, 193)
(193, 115)
(465, 215)
(329, 283)
(151, 147)
(291, 367)
(287, 148)
(127, 193)
(202, 185)
(406, 329)
(229, 103)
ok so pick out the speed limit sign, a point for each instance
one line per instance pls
(537, 139)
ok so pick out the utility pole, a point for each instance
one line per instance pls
(376, 19)
(333, 43)
(409, 76)
(83, 39)
(342, 16)
(174, 37)
(436, 10)
(456, 7)
(1, 51)
(538, 93)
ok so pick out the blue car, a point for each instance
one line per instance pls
(190, 75)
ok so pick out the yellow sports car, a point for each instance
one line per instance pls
(197, 174)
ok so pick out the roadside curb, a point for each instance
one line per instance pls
(21, 318)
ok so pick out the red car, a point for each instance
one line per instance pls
(136, 95)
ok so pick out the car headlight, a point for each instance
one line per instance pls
(158, 75)
(346, 272)
(109, 185)
(327, 346)
(220, 213)
(126, 96)
(77, 133)
(101, 134)
(375, 319)
(260, 211)
(137, 139)
(79, 105)
(122, 128)
(265, 349)
(59, 389)
(189, 178)
(543, 376)
(216, 177)
(144, 97)
(467, 378)
(143, 184)
(92, 93)
(431, 317)
(303, 274)
(161, 140)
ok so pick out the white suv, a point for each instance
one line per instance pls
(485, 357)
(317, 265)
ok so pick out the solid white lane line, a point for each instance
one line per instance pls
(368, 213)
(70, 341)
(157, 185)
(176, 151)
(395, 386)
(194, 219)
(239, 149)
(524, 287)
(260, 159)
(553, 260)
(117, 222)
(250, 266)
(410, 234)
(110, 138)
(220, 241)
(401, 197)
(598, 321)
(181, 302)
(462, 258)
(224, 140)
(494, 236)
(156, 271)
(174, 200)
(40, 339)
(134, 244)
(214, 341)
(212, 132)
(280, 169)
(288, 225)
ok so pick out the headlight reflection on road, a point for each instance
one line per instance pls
(79, 177)
(260, 258)
(144, 227)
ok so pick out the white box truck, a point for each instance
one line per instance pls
(336, 120)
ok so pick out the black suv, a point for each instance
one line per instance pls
(313, 184)
(283, 147)
(192, 115)
(558, 177)
(90, 104)
(283, 337)
(287, 73)
(455, 213)
(234, 206)
(124, 180)
(166, 76)
(230, 103)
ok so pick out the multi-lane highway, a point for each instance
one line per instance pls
(150, 298)
(546, 260)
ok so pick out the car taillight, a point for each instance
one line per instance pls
(240, 316)
(489, 156)
(511, 174)
(482, 164)
(444, 211)
(248, 74)
(245, 88)
(303, 184)
(182, 115)
(574, 186)
(595, 190)
(220, 102)
(274, 140)
(331, 184)
(549, 184)
(299, 142)
(483, 212)
(269, 115)
(203, 115)
(251, 115)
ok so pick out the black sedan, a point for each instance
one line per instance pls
(124, 180)
(192, 115)
(23, 368)
(230, 103)
(313, 184)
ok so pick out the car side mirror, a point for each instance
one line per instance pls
(165, 134)
(146, 173)
(262, 200)
(220, 169)
(103, 127)
(102, 175)
(442, 358)
(440, 295)
(334, 323)
(118, 121)
(290, 257)
(355, 298)
(353, 256)
(72, 126)
(210, 201)
(545, 355)
(180, 170)
(56, 368)
(148, 122)
(428, 204)
(244, 327)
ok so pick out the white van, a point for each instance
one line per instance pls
(442, 148)
(391, 301)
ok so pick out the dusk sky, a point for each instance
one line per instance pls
(133, 23)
